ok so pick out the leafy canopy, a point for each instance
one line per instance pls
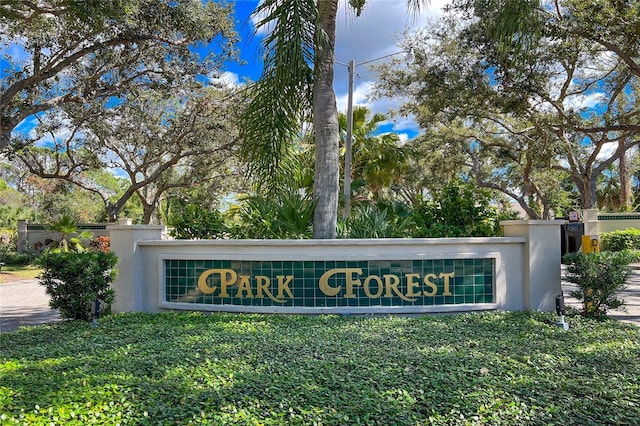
(67, 51)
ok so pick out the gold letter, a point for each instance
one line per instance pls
(284, 286)
(224, 283)
(263, 284)
(412, 284)
(324, 283)
(428, 282)
(351, 282)
(202, 281)
(391, 282)
(367, 289)
(206, 289)
(244, 286)
(446, 277)
(332, 291)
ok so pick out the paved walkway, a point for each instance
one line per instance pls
(25, 303)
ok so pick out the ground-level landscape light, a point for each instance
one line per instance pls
(560, 310)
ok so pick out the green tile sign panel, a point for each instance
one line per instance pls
(330, 283)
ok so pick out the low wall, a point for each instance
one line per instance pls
(34, 237)
(518, 272)
(608, 222)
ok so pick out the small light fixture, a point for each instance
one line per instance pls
(560, 310)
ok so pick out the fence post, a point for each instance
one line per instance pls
(128, 286)
(542, 257)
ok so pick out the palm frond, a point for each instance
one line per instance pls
(283, 94)
(415, 6)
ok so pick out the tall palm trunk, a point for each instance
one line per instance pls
(325, 120)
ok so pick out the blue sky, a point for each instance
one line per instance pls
(375, 33)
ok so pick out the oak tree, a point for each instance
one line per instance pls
(58, 52)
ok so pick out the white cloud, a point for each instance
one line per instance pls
(226, 79)
(374, 34)
(582, 102)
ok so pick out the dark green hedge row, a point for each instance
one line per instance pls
(627, 239)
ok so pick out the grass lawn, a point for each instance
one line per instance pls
(492, 368)
(12, 273)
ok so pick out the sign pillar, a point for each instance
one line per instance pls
(129, 284)
(542, 256)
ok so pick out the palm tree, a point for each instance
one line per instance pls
(378, 160)
(298, 80)
(71, 237)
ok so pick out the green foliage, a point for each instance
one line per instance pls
(9, 215)
(458, 210)
(279, 215)
(195, 222)
(628, 239)
(109, 47)
(70, 238)
(375, 221)
(274, 115)
(223, 369)
(9, 256)
(599, 276)
(75, 280)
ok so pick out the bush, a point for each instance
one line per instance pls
(76, 280)
(195, 222)
(599, 277)
(458, 210)
(71, 239)
(375, 222)
(628, 239)
(279, 215)
(9, 256)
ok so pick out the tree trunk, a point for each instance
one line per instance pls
(325, 119)
(591, 193)
(625, 183)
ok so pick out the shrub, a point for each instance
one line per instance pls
(599, 276)
(76, 280)
(279, 215)
(71, 239)
(195, 222)
(374, 222)
(458, 210)
(628, 239)
(9, 256)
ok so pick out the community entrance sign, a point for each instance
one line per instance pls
(369, 276)
(329, 284)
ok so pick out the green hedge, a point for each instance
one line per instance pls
(628, 239)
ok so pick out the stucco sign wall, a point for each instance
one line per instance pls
(376, 276)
